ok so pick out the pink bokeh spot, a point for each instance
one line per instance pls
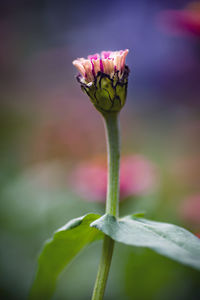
(89, 181)
(138, 176)
(181, 22)
(189, 210)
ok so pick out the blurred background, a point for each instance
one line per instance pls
(53, 154)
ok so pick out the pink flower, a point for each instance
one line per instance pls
(185, 21)
(108, 62)
(190, 210)
(138, 176)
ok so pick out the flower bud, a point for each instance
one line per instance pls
(104, 79)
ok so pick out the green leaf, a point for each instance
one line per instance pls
(166, 239)
(57, 253)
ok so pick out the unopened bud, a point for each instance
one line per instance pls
(104, 79)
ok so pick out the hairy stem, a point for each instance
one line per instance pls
(112, 201)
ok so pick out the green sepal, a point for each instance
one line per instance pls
(108, 94)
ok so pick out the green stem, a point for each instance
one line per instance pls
(112, 201)
(113, 149)
(103, 270)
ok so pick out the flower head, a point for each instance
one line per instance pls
(109, 62)
(104, 79)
